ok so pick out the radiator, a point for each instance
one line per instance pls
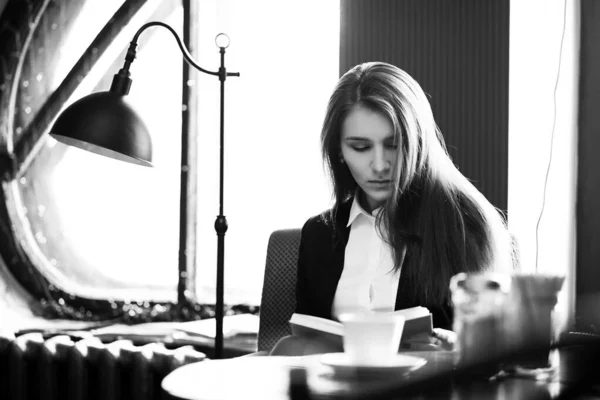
(64, 367)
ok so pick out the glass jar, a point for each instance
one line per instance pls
(479, 301)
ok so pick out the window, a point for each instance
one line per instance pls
(102, 229)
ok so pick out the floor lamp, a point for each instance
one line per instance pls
(104, 123)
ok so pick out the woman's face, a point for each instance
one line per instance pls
(369, 151)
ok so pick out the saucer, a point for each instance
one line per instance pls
(399, 364)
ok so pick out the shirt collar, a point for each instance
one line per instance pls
(357, 210)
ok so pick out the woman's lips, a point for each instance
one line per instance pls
(380, 184)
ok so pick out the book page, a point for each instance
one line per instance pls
(320, 324)
(413, 312)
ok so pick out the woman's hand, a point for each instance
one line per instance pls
(447, 338)
(440, 339)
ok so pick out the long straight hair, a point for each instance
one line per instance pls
(437, 222)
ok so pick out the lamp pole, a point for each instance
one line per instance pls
(221, 221)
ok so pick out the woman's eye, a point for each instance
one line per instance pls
(360, 148)
(392, 146)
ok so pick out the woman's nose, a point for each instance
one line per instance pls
(380, 161)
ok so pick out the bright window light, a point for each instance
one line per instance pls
(288, 56)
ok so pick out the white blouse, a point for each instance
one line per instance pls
(368, 282)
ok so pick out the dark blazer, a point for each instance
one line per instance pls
(320, 264)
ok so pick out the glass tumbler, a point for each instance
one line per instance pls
(479, 301)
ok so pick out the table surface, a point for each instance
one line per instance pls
(268, 377)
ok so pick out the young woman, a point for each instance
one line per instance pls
(404, 219)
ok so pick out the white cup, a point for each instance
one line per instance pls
(372, 338)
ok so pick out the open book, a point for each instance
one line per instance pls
(417, 320)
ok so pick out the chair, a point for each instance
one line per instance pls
(278, 299)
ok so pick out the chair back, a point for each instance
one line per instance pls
(278, 299)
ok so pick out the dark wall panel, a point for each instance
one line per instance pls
(458, 51)
(588, 172)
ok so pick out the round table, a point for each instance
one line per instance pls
(268, 377)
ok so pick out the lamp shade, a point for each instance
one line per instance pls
(104, 123)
